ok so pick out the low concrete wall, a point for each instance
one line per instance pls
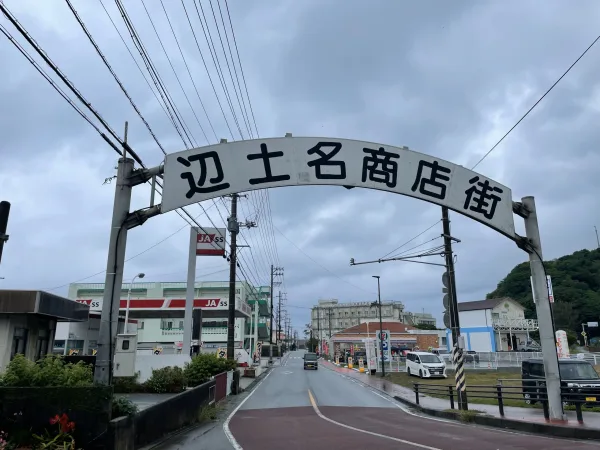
(149, 425)
(580, 433)
(145, 363)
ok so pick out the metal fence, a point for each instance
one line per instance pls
(531, 391)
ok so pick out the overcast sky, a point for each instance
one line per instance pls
(444, 78)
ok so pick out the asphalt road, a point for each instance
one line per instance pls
(293, 409)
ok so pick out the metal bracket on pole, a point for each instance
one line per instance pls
(137, 218)
(140, 176)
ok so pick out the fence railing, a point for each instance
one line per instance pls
(529, 391)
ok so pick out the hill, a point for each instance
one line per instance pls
(576, 285)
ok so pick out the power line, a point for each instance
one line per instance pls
(241, 68)
(536, 103)
(175, 73)
(189, 73)
(206, 67)
(156, 244)
(58, 89)
(215, 58)
(106, 63)
(319, 264)
(410, 240)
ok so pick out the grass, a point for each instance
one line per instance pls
(511, 397)
(209, 412)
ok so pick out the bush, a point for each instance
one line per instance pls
(167, 379)
(122, 406)
(204, 366)
(47, 372)
(128, 385)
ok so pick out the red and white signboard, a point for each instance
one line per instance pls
(159, 303)
(211, 242)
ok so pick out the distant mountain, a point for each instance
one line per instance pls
(576, 286)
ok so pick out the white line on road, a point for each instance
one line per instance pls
(414, 444)
(226, 429)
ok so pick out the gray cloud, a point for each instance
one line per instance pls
(447, 81)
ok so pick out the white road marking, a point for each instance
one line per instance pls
(414, 444)
(453, 423)
(226, 429)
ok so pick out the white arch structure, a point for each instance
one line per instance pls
(204, 173)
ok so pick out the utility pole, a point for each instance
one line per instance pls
(451, 301)
(597, 238)
(4, 213)
(319, 330)
(234, 228)
(380, 326)
(279, 312)
(122, 221)
(275, 271)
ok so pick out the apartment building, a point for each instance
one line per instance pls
(329, 316)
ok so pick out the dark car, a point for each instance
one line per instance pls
(579, 381)
(471, 356)
(311, 361)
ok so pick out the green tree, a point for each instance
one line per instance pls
(576, 286)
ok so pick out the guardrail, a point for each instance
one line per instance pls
(534, 391)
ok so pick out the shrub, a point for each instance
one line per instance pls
(122, 406)
(204, 366)
(168, 379)
(128, 385)
(47, 372)
(19, 372)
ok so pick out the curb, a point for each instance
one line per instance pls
(578, 433)
(254, 382)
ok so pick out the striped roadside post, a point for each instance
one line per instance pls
(459, 377)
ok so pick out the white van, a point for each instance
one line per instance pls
(425, 365)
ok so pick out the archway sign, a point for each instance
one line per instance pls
(204, 173)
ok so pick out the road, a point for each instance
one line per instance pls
(293, 409)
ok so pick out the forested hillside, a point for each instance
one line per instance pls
(576, 283)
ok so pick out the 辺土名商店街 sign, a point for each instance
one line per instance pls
(208, 172)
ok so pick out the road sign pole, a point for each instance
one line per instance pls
(189, 293)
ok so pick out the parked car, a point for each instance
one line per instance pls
(471, 356)
(311, 361)
(443, 353)
(425, 365)
(577, 377)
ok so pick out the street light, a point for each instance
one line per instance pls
(380, 324)
(139, 275)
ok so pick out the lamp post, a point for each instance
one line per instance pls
(139, 275)
(380, 324)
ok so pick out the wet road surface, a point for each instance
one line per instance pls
(293, 408)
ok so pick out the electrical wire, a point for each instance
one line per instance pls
(109, 67)
(536, 103)
(57, 88)
(320, 265)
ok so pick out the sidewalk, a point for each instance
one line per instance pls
(590, 419)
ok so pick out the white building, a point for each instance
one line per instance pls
(330, 317)
(492, 325)
(158, 308)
